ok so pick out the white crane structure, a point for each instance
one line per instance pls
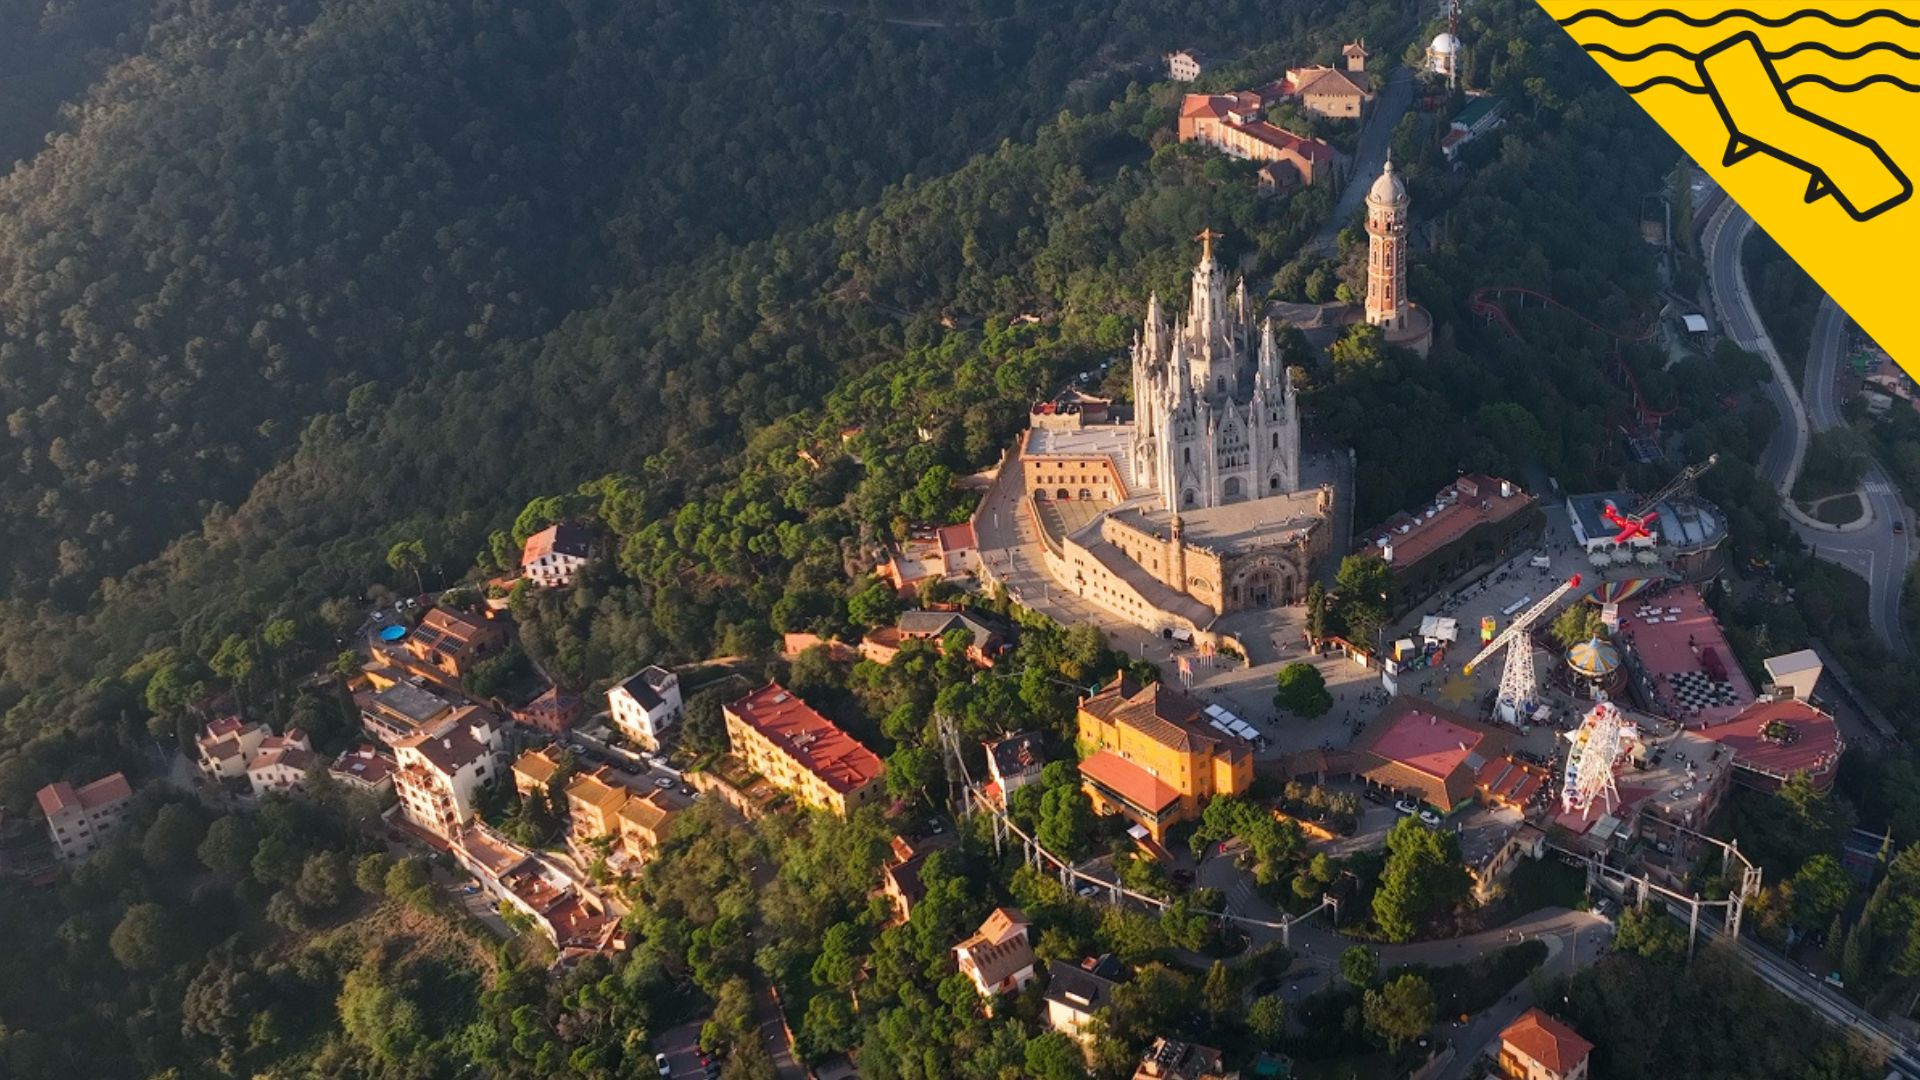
(1596, 746)
(1519, 682)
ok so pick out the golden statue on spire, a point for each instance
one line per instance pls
(1206, 237)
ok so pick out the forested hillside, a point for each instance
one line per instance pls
(271, 203)
(298, 281)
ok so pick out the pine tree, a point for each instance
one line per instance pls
(1218, 992)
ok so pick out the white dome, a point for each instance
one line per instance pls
(1445, 45)
(1388, 188)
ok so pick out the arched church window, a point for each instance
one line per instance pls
(1273, 483)
(1186, 499)
(1276, 440)
(1186, 455)
(1220, 384)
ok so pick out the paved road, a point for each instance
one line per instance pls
(1875, 552)
(1371, 155)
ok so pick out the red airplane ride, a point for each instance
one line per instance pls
(1631, 528)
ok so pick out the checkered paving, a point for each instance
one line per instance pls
(1698, 690)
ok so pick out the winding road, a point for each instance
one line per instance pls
(1873, 551)
(1376, 138)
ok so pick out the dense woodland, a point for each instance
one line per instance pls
(288, 283)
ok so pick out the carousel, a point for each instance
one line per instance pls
(1596, 662)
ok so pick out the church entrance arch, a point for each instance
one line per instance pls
(1231, 489)
(1062, 495)
(1086, 494)
(1267, 583)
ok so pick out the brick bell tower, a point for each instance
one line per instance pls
(1387, 252)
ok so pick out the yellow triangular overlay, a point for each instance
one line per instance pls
(1807, 113)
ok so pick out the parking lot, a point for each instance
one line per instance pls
(638, 770)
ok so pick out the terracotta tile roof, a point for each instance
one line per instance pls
(56, 797)
(821, 748)
(59, 796)
(365, 764)
(647, 812)
(957, 538)
(537, 766)
(1161, 713)
(594, 791)
(1418, 746)
(443, 626)
(1547, 1041)
(1507, 779)
(1000, 948)
(1326, 80)
(1470, 501)
(1129, 781)
(564, 538)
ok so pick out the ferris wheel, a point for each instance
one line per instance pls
(1598, 744)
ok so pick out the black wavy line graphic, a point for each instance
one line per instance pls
(1666, 80)
(1799, 80)
(1612, 53)
(1739, 13)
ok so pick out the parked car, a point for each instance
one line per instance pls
(1374, 796)
(1407, 806)
(661, 1064)
(1899, 526)
(663, 782)
(935, 827)
(1183, 877)
(1087, 889)
(1430, 819)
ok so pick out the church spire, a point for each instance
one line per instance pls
(1269, 372)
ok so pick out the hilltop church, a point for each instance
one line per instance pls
(1201, 505)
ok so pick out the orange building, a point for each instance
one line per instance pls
(593, 806)
(452, 642)
(1151, 756)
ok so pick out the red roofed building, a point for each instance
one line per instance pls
(552, 556)
(803, 753)
(1471, 522)
(1772, 740)
(1231, 123)
(81, 819)
(1508, 781)
(959, 548)
(1420, 749)
(1538, 1047)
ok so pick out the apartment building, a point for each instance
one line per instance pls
(441, 772)
(803, 753)
(81, 819)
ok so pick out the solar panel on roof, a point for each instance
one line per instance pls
(1221, 726)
